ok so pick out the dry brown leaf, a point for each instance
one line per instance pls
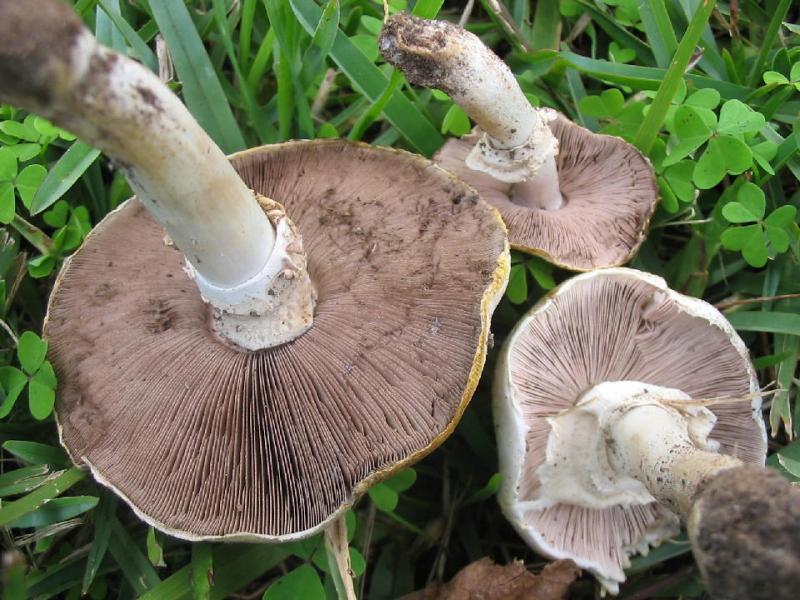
(484, 580)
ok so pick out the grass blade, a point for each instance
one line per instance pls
(55, 511)
(767, 322)
(321, 42)
(427, 9)
(103, 517)
(202, 90)
(36, 453)
(261, 61)
(659, 31)
(245, 32)
(780, 411)
(140, 48)
(137, 570)
(266, 132)
(769, 40)
(202, 571)
(578, 92)
(105, 30)
(59, 484)
(69, 168)
(546, 32)
(370, 81)
(23, 480)
(648, 131)
(647, 78)
(712, 61)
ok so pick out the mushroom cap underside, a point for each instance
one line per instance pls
(206, 441)
(609, 192)
(612, 325)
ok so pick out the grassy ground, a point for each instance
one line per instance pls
(710, 92)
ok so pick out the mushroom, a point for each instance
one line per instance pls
(621, 408)
(194, 380)
(578, 199)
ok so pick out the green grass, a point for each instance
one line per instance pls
(262, 71)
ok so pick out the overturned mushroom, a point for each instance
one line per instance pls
(226, 413)
(578, 199)
(617, 404)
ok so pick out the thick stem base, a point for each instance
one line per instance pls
(627, 443)
(517, 163)
(274, 307)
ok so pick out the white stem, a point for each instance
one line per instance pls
(652, 444)
(627, 443)
(173, 166)
(439, 54)
(541, 191)
(338, 549)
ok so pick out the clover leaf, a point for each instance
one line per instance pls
(726, 150)
(619, 54)
(37, 373)
(456, 121)
(776, 78)
(25, 182)
(758, 238)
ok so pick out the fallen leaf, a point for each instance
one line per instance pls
(484, 580)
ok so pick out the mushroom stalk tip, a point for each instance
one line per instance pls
(516, 138)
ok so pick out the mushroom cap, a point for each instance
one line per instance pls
(609, 192)
(745, 531)
(208, 441)
(612, 325)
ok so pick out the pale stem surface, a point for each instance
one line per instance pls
(651, 444)
(338, 550)
(173, 166)
(518, 140)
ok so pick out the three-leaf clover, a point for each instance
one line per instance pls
(622, 119)
(386, 495)
(37, 373)
(776, 78)
(620, 54)
(72, 225)
(757, 238)
(30, 137)
(726, 150)
(25, 182)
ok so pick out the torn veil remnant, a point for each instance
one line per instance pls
(206, 437)
(607, 437)
(578, 199)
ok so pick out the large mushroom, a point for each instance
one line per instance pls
(576, 198)
(622, 408)
(236, 381)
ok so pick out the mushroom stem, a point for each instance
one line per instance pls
(338, 549)
(50, 64)
(542, 191)
(630, 443)
(651, 443)
(517, 139)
